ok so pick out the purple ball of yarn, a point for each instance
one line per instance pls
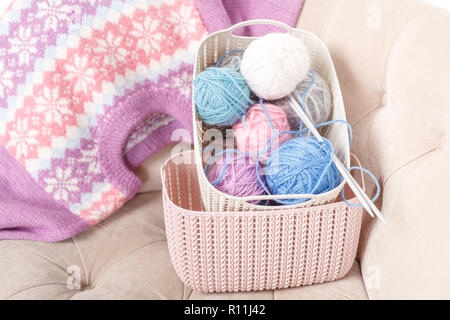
(239, 178)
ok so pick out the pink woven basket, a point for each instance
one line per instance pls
(253, 250)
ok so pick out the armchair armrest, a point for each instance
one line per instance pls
(393, 63)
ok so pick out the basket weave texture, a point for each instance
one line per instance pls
(253, 250)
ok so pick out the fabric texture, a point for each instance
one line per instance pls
(82, 83)
(222, 14)
(88, 91)
(391, 58)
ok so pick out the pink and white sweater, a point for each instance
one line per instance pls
(88, 90)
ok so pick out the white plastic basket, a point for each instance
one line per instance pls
(210, 50)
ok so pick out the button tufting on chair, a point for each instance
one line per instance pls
(404, 57)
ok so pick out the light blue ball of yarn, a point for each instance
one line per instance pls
(302, 166)
(221, 96)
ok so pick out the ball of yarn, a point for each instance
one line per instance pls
(302, 166)
(274, 65)
(317, 101)
(254, 130)
(239, 178)
(221, 96)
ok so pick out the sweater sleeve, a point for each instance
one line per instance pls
(221, 14)
(26, 211)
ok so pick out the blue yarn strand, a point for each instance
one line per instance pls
(222, 173)
(349, 127)
(267, 114)
(377, 195)
(236, 63)
(227, 54)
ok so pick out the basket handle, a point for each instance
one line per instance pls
(242, 24)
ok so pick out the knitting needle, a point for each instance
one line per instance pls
(353, 185)
(362, 196)
(366, 202)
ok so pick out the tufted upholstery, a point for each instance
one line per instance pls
(392, 61)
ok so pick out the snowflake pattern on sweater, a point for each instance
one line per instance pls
(66, 65)
(89, 89)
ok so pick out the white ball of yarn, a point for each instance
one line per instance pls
(274, 65)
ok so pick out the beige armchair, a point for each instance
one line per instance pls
(392, 60)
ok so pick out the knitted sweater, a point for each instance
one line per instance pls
(88, 90)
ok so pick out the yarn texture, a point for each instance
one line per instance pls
(274, 65)
(254, 130)
(301, 166)
(317, 101)
(221, 96)
(237, 177)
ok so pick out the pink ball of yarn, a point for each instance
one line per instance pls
(252, 134)
(239, 178)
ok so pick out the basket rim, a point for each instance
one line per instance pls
(282, 209)
(272, 197)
